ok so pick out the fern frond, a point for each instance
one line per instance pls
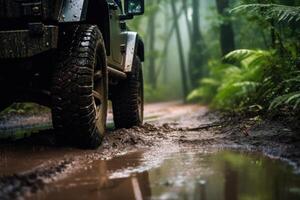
(247, 84)
(242, 54)
(297, 104)
(210, 81)
(277, 12)
(292, 99)
(195, 94)
(250, 58)
(293, 80)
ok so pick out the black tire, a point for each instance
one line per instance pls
(79, 90)
(128, 98)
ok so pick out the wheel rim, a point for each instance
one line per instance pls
(100, 99)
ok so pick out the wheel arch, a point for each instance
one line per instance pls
(94, 12)
(98, 14)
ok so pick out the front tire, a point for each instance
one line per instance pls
(79, 93)
(128, 98)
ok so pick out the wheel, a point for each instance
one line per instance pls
(128, 98)
(79, 87)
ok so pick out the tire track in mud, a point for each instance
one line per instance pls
(23, 184)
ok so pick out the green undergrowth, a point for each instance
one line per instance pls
(251, 80)
(263, 80)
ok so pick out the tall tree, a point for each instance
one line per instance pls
(169, 30)
(180, 51)
(185, 9)
(196, 55)
(152, 39)
(166, 45)
(226, 31)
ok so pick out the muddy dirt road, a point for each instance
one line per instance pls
(182, 152)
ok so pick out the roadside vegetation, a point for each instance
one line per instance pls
(265, 78)
(240, 56)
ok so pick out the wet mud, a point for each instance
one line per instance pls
(181, 152)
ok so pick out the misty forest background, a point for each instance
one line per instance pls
(235, 55)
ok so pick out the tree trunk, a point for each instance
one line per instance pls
(196, 55)
(185, 9)
(168, 33)
(226, 31)
(166, 46)
(152, 59)
(180, 51)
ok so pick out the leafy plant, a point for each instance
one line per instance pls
(256, 79)
(267, 80)
(235, 85)
(280, 13)
(291, 99)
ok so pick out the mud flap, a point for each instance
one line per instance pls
(131, 44)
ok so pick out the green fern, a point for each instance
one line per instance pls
(291, 99)
(242, 54)
(260, 79)
(280, 13)
(249, 58)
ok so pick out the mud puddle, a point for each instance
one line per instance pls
(176, 158)
(227, 175)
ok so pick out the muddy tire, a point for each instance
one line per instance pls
(79, 92)
(128, 98)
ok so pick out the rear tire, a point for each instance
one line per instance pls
(79, 92)
(128, 98)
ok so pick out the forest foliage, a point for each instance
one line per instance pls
(260, 79)
(242, 55)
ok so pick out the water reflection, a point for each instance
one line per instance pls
(94, 182)
(190, 176)
(225, 176)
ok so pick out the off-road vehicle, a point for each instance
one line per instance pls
(73, 56)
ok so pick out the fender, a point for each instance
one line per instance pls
(88, 11)
(134, 46)
(73, 11)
